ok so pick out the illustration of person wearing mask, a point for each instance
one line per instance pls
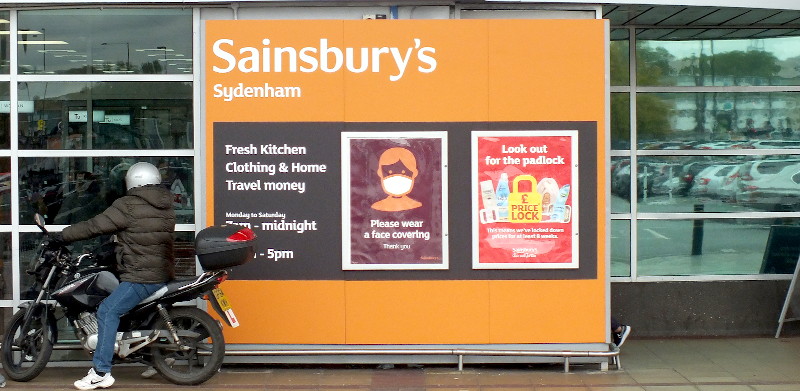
(397, 168)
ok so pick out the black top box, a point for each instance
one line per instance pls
(224, 246)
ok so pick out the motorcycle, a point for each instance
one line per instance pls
(182, 342)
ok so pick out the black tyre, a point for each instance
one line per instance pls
(202, 335)
(26, 351)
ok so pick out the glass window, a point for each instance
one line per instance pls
(620, 248)
(5, 190)
(5, 266)
(703, 247)
(5, 42)
(109, 41)
(5, 115)
(620, 121)
(620, 185)
(716, 120)
(715, 62)
(106, 115)
(185, 264)
(69, 190)
(29, 243)
(720, 184)
(619, 49)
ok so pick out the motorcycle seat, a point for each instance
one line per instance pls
(172, 286)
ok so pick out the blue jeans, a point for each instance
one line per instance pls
(121, 300)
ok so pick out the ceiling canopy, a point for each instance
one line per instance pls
(668, 22)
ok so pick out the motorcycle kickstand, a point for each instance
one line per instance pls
(168, 321)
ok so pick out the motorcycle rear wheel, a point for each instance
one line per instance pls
(207, 348)
(27, 360)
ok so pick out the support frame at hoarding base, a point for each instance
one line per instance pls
(567, 354)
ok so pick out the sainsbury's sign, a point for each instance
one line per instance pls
(324, 58)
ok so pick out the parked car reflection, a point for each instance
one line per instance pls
(770, 184)
(710, 180)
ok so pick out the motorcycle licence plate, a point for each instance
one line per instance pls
(225, 305)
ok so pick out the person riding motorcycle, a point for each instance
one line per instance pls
(144, 223)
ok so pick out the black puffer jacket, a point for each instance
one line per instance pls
(144, 222)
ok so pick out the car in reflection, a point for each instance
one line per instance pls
(710, 181)
(724, 145)
(662, 178)
(772, 185)
(620, 178)
(775, 144)
(689, 171)
(727, 192)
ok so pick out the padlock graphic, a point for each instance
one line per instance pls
(524, 207)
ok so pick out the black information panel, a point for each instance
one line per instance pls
(283, 180)
(783, 248)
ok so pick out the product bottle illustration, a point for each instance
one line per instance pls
(561, 211)
(489, 212)
(502, 193)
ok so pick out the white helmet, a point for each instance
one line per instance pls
(141, 174)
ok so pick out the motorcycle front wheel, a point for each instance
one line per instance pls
(204, 344)
(26, 350)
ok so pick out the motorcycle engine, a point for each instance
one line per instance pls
(88, 324)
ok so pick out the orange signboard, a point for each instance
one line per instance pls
(286, 102)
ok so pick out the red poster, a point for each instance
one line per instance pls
(524, 199)
(393, 201)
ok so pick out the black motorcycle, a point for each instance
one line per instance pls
(182, 342)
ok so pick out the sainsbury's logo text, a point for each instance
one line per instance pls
(325, 58)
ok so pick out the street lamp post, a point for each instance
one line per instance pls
(164, 48)
(44, 53)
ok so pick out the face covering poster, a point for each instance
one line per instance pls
(393, 198)
(524, 205)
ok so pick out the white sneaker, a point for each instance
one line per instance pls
(93, 380)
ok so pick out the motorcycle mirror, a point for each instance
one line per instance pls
(39, 219)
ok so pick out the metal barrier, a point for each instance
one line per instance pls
(460, 353)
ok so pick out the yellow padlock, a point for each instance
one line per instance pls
(524, 207)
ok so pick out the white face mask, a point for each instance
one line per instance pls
(397, 185)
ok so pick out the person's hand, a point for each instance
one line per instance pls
(56, 239)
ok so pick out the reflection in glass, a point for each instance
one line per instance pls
(5, 190)
(5, 116)
(731, 62)
(620, 184)
(185, 265)
(5, 42)
(70, 190)
(105, 41)
(720, 184)
(703, 247)
(620, 121)
(715, 120)
(5, 266)
(619, 51)
(123, 115)
(28, 244)
(620, 248)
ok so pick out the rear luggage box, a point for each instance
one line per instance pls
(224, 246)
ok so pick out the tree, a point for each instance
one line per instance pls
(756, 64)
(652, 113)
